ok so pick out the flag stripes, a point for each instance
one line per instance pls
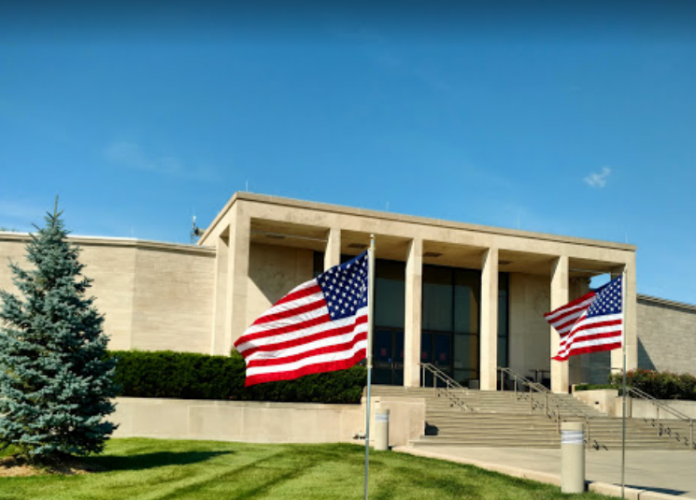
(318, 326)
(317, 367)
(592, 323)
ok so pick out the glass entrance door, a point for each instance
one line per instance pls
(388, 357)
(436, 349)
(442, 352)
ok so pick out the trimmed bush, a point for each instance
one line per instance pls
(660, 385)
(178, 375)
(593, 387)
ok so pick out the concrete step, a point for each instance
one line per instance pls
(502, 419)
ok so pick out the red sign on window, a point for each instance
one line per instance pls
(383, 352)
(443, 356)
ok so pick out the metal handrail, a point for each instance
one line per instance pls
(550, 399)
(450, 384)
(537, 387)
(662, 427)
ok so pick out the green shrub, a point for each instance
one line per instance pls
(592, 387)
(660, 385)
(168, 374)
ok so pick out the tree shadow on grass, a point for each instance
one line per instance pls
(153, 460)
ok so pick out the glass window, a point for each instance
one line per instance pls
(390, 293)
(382, 349)
(503, 318)
(426, 347)
(399, 347)
(437, 298)
(467, 295)
(466, 357)
(443, 350)
(318, 263)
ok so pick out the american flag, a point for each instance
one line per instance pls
(320, 326)
(592, 323)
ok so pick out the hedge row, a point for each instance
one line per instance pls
(593, 387)
(660, 385)
(168, 374)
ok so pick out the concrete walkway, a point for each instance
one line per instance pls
(654, 472)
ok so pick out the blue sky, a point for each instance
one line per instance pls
(579, 129)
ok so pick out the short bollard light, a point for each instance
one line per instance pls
(572, 457)
(382, 430)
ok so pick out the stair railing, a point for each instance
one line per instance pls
(663, 428)
(451, 389)
(554, 407)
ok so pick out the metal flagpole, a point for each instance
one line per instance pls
(623, 346)
(370, 321)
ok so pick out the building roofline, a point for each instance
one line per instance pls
(117, 242)
(666, 302)
(414, 219)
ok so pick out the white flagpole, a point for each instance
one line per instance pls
(370, 321)
(623, 346)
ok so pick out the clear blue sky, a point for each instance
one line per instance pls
(580, 123)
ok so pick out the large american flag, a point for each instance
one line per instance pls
(592, 323)
(320, 326)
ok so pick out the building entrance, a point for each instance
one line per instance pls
(388, 357)
(436, 349)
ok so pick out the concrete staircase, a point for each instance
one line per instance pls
(500, 419)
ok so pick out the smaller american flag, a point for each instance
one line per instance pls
(592, 323)
(320, 326)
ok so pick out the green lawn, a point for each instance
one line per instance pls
(163, 469)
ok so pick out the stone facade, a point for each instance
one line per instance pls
(666, 334)
(546, 271)
(153, 295)
(200, 298)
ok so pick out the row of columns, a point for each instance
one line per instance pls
(232, 270)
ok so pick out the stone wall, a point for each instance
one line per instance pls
(273, 272)
(262, 422)
(530, 345)
(667, 335)
(153, 295)
(251, 422)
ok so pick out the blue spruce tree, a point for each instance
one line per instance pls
(56, 380)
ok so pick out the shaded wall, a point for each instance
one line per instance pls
(530, 343)
(273, 272)
(666, 334)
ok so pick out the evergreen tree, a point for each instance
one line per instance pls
(56, 380)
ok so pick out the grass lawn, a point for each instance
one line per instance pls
(164, 469)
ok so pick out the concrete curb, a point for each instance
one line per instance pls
(544, 477)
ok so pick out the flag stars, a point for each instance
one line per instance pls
(345, 287)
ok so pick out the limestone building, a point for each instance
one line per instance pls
(464, 297)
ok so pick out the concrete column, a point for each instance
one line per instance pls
(332, 255)
(412, 321)
(559, 296)
(237, 277)
(220, 299)
(489, 320)
(631, 304)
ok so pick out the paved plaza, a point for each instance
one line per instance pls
(667, 472)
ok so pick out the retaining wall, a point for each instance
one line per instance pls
(609, 402)
(262, 422)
